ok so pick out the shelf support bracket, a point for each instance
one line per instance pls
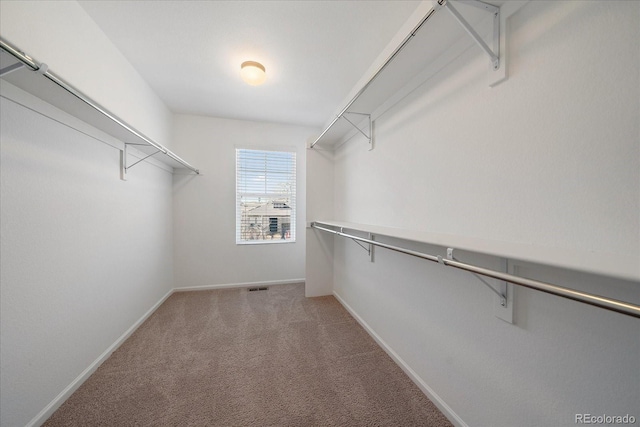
(369, 137)
(494, 54)
(502, 296)
(371, 247)
(123, 160)
(503, 306)
(362, 246)
(368, 248)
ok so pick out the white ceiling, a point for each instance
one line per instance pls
(190, 52)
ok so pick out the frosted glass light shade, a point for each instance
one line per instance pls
(253, 73)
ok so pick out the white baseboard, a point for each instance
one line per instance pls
(442, 406)
(238, 285)
(39, 419)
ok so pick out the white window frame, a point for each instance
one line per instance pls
(250, 165)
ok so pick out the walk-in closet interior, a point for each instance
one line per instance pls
(418, 213)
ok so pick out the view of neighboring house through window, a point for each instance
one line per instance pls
(265, 196)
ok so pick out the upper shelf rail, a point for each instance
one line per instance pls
(377, 73)
(494, 55)
(583, 297)
(43, 70)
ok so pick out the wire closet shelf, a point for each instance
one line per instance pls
(622, 307)
(95, 114)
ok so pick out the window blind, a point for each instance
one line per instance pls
(265, 196)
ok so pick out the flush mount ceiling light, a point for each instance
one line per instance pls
(253, 73)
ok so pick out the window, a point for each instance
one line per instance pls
(265, 196)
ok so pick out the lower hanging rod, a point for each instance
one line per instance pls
(591, 299)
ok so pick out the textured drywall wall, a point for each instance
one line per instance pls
(84, 255)
(319, 249)
(548, 158)
(551, 158)
(205, 206)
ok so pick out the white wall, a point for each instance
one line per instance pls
(555, 147)
(550, 158)
(319, 250)
(205, 248)
(62, 35)
(84, 254)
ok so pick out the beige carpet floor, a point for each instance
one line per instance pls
(238, 358)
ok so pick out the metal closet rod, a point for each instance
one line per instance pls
(591, 299)
(43, 69)
(387, 62)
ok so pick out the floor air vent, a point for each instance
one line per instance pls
(262, 288)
